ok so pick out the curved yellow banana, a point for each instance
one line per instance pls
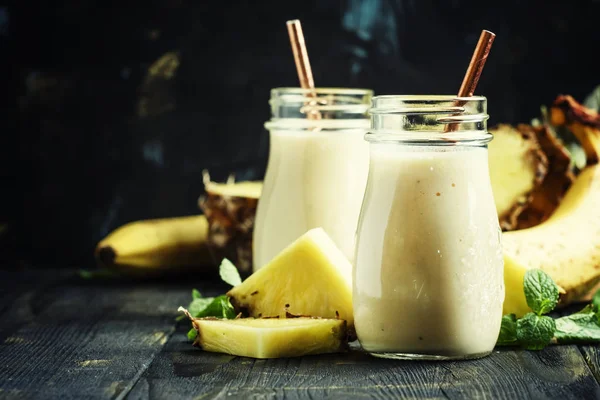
(157, 243)
(566, 246)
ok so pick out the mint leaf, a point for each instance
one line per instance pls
(197, 306)
(535, 332)
(596, 299)
(580, 327)
(540, 290)
(219, 307)
(229, 273)
(508, 331)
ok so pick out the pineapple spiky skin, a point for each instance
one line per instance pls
(230, 209)
(530, 171)
(517, 165)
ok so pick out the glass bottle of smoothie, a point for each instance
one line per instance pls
(428, 276)
(317, 168)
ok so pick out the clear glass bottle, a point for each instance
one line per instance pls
(317, 169)
(428, 275)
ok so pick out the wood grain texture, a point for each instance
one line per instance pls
(181, 372)
(80, 340)
(64, 338)
(591, 355)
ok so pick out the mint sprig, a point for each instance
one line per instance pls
(218, 307)
(534, 330)
(541, 292)
(508, 331)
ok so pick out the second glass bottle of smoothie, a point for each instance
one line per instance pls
(428, 275)
(317, 169)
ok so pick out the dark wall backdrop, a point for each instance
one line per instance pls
(112, 109)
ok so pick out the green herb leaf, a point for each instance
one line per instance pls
(535, 332)
(229, 273)
(596, 299)
(219, 307)
(541, 292)
(197, 306)
(508, 331)
(580, 327)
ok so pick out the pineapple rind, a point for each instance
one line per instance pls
(513, 174)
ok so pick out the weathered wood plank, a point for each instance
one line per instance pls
(106, 340)
(591, 355)
(179, 372)
(22, 294)
(87, 340)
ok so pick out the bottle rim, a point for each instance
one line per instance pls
(424, 119)
(334, 108)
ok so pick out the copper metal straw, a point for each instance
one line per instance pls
(302, 62)
(480, 55)
(482, 51)
(300, 54)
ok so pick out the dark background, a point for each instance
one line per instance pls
(112, 109)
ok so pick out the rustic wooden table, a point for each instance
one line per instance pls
(63, 337)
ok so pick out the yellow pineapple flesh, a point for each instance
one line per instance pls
(517, 165)
(310, 277)
(271, 337)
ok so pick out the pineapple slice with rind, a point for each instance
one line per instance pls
(517, 166)
(230, 209)
(271, 337)
(567, 245)
(310, 277)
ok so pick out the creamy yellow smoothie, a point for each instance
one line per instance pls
(313, 179)
(428, 278)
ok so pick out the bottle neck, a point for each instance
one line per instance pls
(429, 120)
(321, 108)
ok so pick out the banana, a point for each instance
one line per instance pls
(157, 244)
(567, 244)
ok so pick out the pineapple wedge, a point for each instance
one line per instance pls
(271, 337)
(517, 166)
(310, 277)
